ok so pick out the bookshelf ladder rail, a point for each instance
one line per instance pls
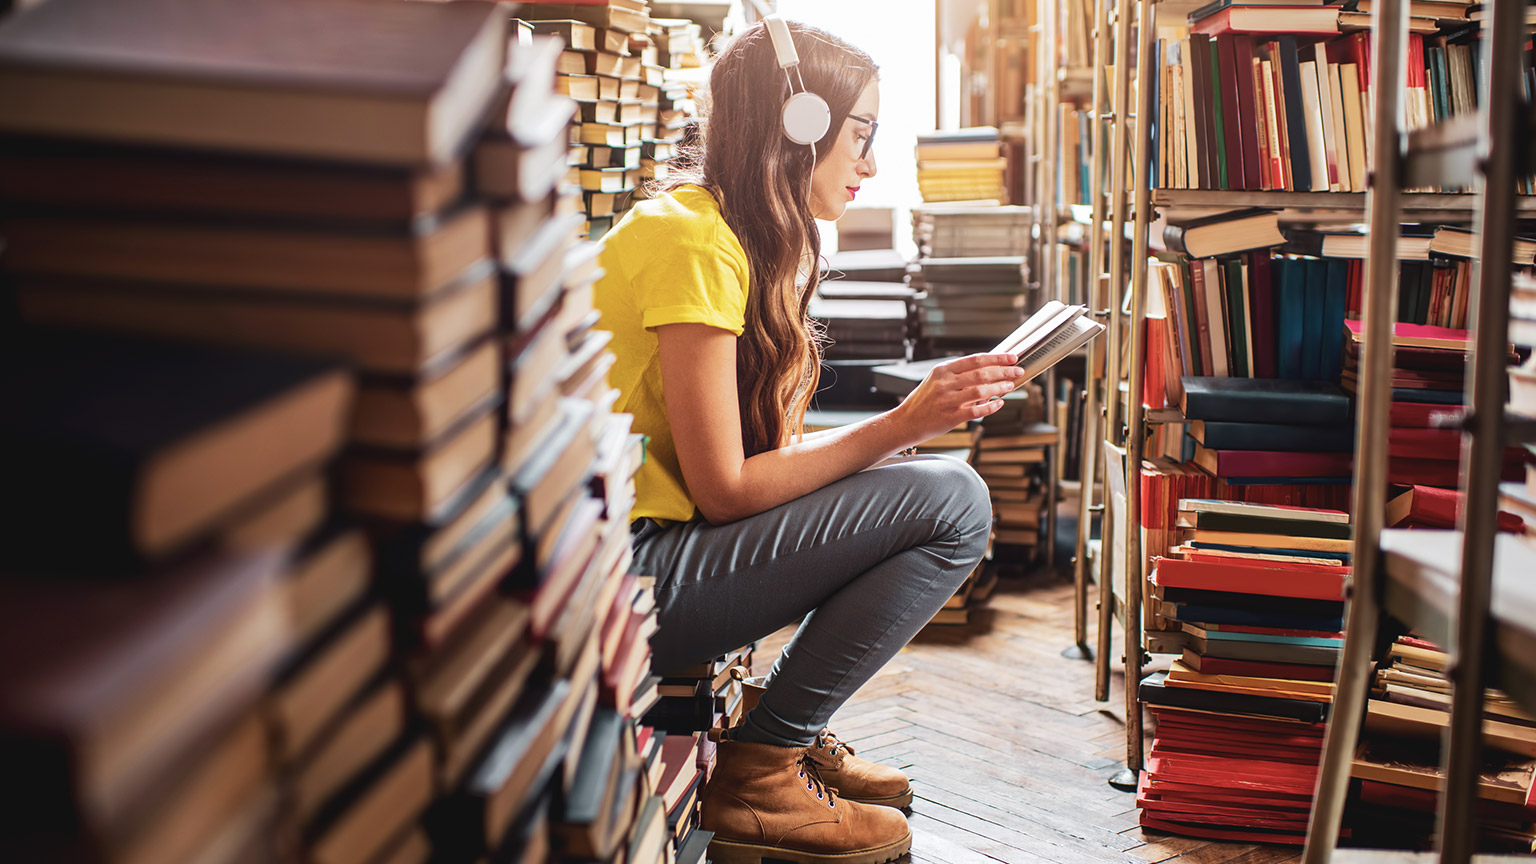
(1135, 445)
(1389, 26)
(1114, 366)
(1483, 448)
(1049, 278)
(1092, 431)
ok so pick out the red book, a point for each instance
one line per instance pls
(1423, 415)
(1231, 124)
(1428, 507)
(1440, 444)
(1246, 117)
(1260, 118)
(1300, 20)
(1154, 392)
(1262, 313)
(1259, 669)
(1274, 463)
(1305, 581)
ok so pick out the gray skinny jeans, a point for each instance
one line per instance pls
(866, 561)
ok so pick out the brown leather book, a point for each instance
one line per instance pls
(330, 79)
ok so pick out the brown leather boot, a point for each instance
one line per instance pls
(854, 779)
(768, 802)
(858, 779)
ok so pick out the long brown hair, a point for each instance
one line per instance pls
(762, 182)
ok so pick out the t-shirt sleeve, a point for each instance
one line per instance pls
(693, 284)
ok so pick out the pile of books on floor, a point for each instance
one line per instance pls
(429, 655)
(1258, 594)
(1012, 463)
(973, 593)
(682, 730)
(1398, 760)
(961, 165)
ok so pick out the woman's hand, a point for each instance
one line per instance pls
(966, 388)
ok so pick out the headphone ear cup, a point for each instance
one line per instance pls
(806, 118)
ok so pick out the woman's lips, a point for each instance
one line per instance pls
(853, 192)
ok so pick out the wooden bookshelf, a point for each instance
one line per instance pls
(1462, 588)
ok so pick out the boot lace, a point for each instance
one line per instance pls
(811, 774)
(832, 744)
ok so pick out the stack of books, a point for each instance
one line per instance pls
(855, 328)
(1267, 432)
(1398, 762)
(609, 68)
(481, 459)
(968, 304)
(1257, 593)
(1011, 462)
(1429, 366)
(204, 601)
(868, 265)
(958, 231)
(696, 706)
(962, 165)
(972, 594)
(862, 228)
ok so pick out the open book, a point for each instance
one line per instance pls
(1049, 335)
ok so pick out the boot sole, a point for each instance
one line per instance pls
(731, 852)
(900, 802)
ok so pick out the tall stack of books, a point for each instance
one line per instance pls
(604, 69)
(859, 328)
(961, 165)
(1258, 593)
(1398, 762)
(1010, 460)
(481, 457)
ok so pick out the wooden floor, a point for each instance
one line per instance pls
(1007, 751)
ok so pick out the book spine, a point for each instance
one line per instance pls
(1249, 117)
(1263, 313)
(1278, 463)
(1202, 319)
(1272, 125)
(1232, 119)
(1334, 301)
(1314, 127)
(1295, 114)
(1315, 282)
(1290, 316)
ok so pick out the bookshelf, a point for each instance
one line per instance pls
(1461, 587)
(1443, 155)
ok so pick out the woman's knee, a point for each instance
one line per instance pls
(960, 494)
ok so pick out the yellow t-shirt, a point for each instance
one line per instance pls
(670, 260)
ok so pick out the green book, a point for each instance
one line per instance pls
(1237, 317)
(1219, 136)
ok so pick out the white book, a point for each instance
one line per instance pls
(1196, 178)
(1325, 113)
(1347, 182)
(1214, 315)
(1267, 511)
(1313, 110)
(1248, 318)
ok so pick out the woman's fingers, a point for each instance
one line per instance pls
(972, 362)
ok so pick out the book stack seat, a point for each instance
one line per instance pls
(1257, 592)
(682, 729)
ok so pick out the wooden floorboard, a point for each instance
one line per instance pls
(1008, 752)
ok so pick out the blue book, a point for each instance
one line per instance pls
(1290, 306)
(1314, 287)
(1432, 397)
(1335, 303)
(1265, 550)
(1229, 435)
(1196, 614)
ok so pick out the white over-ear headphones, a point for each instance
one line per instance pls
(805, 115)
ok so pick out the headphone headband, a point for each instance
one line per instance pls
(805, 116)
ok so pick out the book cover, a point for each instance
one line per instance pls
(1237, 435)
(1299, 580)
(1260, 400)
(1291, 317)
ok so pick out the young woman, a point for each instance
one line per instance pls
(748, 524)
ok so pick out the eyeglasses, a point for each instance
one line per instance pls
(873, 128)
